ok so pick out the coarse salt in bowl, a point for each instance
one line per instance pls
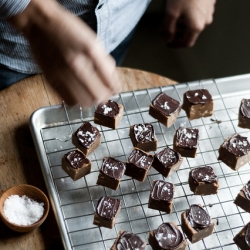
(32, 204)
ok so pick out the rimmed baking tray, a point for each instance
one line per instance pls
(74, 202)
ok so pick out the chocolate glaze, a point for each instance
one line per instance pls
(140, 159)
(110, 109)
(187, 137)
(237, 145)
(113, 168)
(144, 132)
(129, 241)
(198, 217)
(198, 96)
(245, 107)
(76, 159)
(108, 207)
(168, 236)
(204, 174)
(87, 134)
(246, 190)
(168, 157)
(162, 190)
(247, 235)
(165, 104)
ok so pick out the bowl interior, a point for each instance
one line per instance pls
(31, 192)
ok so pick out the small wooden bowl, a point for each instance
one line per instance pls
(31, 192)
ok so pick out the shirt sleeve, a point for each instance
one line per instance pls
(10, 8)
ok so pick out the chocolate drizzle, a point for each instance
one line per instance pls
(246, 190)
(187, 137)
(129, 241)
(108, 207)
(162, 190)
(168, 236)
(76, 159)
(144, 132)
(245, 107)
(87, 134)
(204, 174)
(110, 109)
(113, 168)
(237, 145)
(165, 104)
(198, 217)
(140, 159)
(168, 157)
(198, 96)
(247, 235)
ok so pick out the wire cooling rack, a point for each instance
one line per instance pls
(74, 202)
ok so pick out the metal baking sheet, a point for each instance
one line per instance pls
(74, 202)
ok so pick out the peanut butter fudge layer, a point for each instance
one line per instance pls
(165, 109)
(243, 198)
(203, 181)
(235, 151)
(244, 114)
(198, 103)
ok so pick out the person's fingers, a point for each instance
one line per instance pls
(170, 27)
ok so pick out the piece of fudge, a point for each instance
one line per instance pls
(111, 172)
(108, 114)
(143, 137)
(203, 181)
(128, 241)
(186, 141)
(196, 223)
(244, 114)
(165, 109)
(167, 161)
(87, 138)
(107, 210)
(75, 164)
(168, 237)
(138, 164)
(242, 239)
(161, 196)
(243, 198)
(198, 103)
(235, 151)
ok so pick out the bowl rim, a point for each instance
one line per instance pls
(34, 225)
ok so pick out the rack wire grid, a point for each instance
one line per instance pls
(74, 202)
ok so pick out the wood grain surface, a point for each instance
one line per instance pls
(18, 159)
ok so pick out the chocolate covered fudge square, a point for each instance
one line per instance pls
(143, 137)
(138, 164)
(235, 151)
(168, 237)
(165, 109)
(87, 138)
(75, 164)
(128, 241)
(111, 172)
(203, 181)
(107, 210)
(108, 114)
(244, 114)
(161, 196)
(167, 161)
(198, 103)
(186, 141)
(243, 198)
(242, 239)
(196, 223)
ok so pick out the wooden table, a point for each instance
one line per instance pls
(18, 159)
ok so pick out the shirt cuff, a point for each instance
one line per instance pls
(9, 8)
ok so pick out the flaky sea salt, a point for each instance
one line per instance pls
(22, 211)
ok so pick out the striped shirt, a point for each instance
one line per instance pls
(113, 20)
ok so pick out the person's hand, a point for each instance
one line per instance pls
(71, 57)
(185, 20)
